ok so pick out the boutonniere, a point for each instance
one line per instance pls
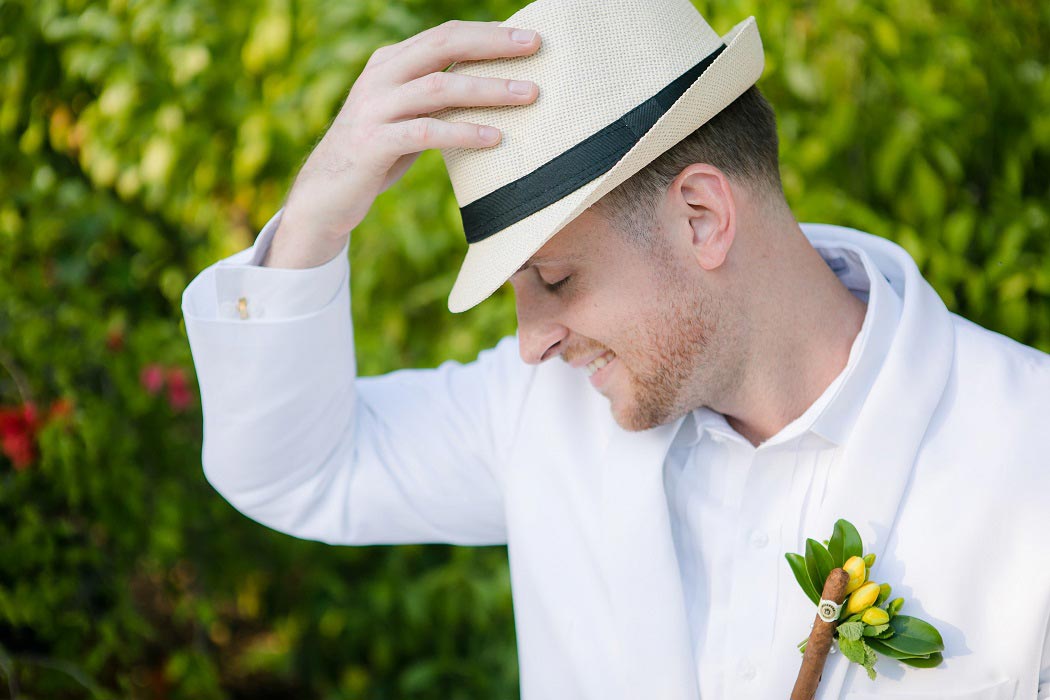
(852, 611)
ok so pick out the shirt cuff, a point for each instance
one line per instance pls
(245, 290)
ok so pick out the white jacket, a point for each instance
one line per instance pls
(946, 474)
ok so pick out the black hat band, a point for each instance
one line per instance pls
(568, 171)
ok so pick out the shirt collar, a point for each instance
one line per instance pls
(833, 414)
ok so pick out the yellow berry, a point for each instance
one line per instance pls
(863, 597)
(875, 616)
(854, 566)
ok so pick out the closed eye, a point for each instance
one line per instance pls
(555, 286)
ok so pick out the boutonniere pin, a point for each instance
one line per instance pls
(852, 611)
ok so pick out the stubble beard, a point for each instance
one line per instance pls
(677, 347)
(674, 365)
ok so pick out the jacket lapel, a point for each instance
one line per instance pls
(866, 487)
(638, 557)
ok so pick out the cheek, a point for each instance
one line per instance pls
(619, 313)
(631, 330)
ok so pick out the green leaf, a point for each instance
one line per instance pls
(852, 545)
(835, 547)
(845, 542)
(853, 649)
(876, 630)
(913, 636)
(818, 564)
(879, 645)
(851, 630)
(859, 652)
(798, 567)
(918, 662)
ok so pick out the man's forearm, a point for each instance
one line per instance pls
(297, 244)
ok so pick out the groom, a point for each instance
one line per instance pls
(730, 382)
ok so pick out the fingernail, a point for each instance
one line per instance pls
(519, 87)
(523, 36)
(488, 133)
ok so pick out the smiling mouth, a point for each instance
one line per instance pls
(596, 364)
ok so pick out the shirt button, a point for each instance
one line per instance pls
(759, 539)
(746, 670)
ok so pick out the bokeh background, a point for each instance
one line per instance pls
(142, 140)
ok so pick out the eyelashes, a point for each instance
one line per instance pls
(555, 286)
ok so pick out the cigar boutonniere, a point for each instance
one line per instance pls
(852, 611)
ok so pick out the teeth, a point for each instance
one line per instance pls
(595, 365)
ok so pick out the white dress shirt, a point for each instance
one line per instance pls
(273, 349)
(735, 508)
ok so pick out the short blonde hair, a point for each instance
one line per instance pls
(741, 141)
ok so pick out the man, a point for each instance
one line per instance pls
(731, 382)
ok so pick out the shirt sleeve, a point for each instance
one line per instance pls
(294, 440)
(239, 287)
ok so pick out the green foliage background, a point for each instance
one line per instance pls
(141, 140)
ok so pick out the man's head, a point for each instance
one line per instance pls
(645, 277)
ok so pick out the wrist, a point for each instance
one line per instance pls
(300, 243)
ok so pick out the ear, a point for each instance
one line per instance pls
(703, 198)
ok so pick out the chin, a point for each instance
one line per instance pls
(631, 420)
(634, 416)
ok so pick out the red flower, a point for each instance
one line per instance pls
(152, 377)
(155, 377)
(179, 396)
(18, 428)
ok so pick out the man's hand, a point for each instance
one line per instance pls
(383, 126)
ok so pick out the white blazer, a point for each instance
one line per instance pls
(946, 474)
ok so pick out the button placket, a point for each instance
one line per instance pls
(756, 573)
(759, 539)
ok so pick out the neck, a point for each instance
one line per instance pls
(804, 322)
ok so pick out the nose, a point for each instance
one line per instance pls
(540, 335)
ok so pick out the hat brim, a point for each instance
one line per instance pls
(491, 262)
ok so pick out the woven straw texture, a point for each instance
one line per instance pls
(597, 60)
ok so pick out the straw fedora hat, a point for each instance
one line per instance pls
(620, 82)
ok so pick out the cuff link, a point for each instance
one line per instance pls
(243, 309)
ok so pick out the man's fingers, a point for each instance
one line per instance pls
(384, 119)
(456, 40)
(436, 91)
(420, 134)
